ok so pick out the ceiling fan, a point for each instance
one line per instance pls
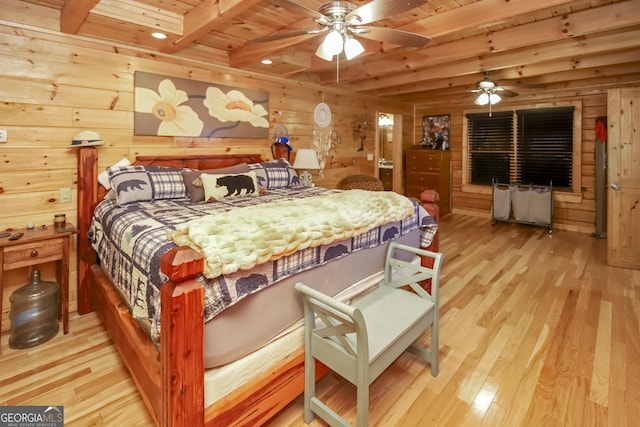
(488, 91)
(344, 20)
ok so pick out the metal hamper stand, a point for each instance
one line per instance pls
(523, 204)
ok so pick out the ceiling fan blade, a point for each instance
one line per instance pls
(296, 7)
(380, 9)
(389, 35)
(508, 93)
(286, 35)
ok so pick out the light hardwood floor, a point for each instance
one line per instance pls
(536, 330)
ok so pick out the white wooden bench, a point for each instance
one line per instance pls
(360, 340)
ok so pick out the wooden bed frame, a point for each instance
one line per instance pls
(171, 380)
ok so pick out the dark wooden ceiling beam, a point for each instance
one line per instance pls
(74, 13)
(479, 14)
(204, 17)
(247, 54)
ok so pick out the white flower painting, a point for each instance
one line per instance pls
(173, 106)
(235, 106)
(175, 119)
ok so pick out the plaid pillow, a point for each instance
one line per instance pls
(146, 183)
(275, 174)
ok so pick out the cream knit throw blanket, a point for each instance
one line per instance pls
(245, 237)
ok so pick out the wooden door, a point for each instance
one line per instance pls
(623, 178)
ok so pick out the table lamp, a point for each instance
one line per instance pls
(306, 159)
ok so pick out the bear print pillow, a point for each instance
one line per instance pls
(146, 183)
(219, 186)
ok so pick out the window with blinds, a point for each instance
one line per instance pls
(545, 146)
(490, 147)
(533, 146)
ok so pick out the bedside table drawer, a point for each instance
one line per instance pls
(32, 253)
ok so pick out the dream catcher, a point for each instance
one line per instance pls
(322, 133)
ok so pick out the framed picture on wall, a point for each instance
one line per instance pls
(174, 106)
(435, 132)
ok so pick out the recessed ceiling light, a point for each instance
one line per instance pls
(267, 61)
(159, 35)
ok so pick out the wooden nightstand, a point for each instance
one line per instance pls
(38, 246)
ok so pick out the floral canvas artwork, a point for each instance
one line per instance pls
(173, 106)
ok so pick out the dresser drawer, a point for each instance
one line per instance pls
(424, 161)
(423, 167)
(421, 179)
(17, 256)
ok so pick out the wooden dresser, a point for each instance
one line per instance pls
(429, 169)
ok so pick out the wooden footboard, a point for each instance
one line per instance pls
(171, 380)
(138, 353)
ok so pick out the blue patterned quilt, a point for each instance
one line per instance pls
(131, 239)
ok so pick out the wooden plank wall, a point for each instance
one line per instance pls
(571, 213)
(54, 85)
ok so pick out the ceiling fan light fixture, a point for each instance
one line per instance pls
(352, 48)
(482, 99)
(333, 43)
(323, 54)
(486, 84)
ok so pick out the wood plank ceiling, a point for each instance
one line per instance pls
(530, 47)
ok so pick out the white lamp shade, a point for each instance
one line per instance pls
(494, 98)
(352, 48)
(306, 159)
(482, 99)
(333, 43)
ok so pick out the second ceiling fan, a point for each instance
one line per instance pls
(488, 91)
(343, 20)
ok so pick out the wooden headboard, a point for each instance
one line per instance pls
(212, 161)
(89, 193)
(192, 161)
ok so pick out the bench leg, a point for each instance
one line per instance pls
(363, 405)
(309, 385)
(435, 346)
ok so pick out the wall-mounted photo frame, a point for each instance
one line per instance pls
(435, 132)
